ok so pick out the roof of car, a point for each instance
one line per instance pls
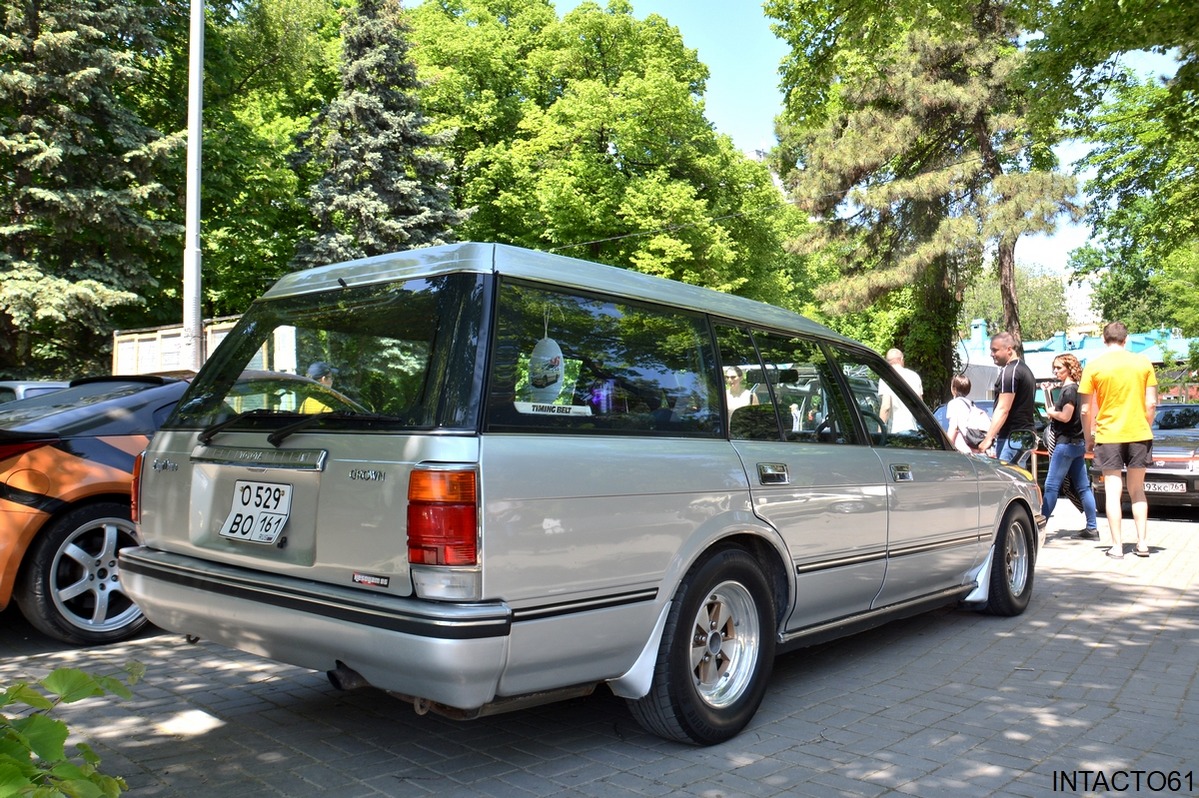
(543, 267)
(108, 406)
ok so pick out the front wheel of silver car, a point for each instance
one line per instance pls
(716, 654)
(1012, 564)
(70, 588)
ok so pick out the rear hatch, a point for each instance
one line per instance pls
(293, 450)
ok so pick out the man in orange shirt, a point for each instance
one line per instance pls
(1117, 396)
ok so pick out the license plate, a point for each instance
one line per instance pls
(259, 511)
(1165, 487)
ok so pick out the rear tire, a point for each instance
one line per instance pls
(69, 587)
(1012, 565)
(716, 655)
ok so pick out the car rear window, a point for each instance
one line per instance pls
(384, 356)
(1177, 417)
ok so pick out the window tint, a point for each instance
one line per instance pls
(1177, 417)
(805, 390)
(571, 362)
(404, 354)
(781, 388)
(869, 382)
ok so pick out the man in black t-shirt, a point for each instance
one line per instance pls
(1015, 397)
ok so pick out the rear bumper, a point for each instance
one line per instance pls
(448, 653)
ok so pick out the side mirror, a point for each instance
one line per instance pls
(1023, 439)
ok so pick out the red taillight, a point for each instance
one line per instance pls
(442, 518)
(13, 449)
(135, 495)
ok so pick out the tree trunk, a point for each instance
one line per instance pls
(1005, 257)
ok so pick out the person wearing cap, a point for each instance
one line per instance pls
(323, 373)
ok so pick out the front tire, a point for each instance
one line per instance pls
(716, 655)
(1012, 565)
(70, 587)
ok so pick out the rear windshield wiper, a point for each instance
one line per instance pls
(211, 432)
(278, 436)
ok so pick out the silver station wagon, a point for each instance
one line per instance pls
(521, 476)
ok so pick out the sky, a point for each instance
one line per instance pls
(733, 38)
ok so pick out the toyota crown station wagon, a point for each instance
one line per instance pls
(542, 485)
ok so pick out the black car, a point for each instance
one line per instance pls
(1173, 479)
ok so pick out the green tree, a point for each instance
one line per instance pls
(81, 208)
(1144, 211)
(1143, 201)
(382, 188)
(907, 133)
(1042, 304)
(587, 136)
(269, 67)
(1075, 61)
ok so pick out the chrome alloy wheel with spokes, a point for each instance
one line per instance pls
(725, 646)
(70, 586)
(716, 653)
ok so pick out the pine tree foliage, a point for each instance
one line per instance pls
(384, 186)
(80, 207)
(919, 160)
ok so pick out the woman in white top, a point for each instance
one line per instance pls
(956, 413)
(735, 390)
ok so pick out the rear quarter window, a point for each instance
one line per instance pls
(576, 363)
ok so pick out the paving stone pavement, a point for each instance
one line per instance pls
(1093, 684)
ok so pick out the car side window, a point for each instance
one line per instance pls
(1177, 417)
(749, 411)
(804, 390)
(781, 388)
(868, 382)
(570, 362)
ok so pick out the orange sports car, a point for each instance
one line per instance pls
(66, 466)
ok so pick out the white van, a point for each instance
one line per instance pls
(523, 480)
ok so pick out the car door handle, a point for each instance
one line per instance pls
(901, 472)
(773, 474)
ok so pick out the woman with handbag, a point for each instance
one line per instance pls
(1069, 452)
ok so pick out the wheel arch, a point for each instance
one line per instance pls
(12, 570)
(981, 575)
(763, 544)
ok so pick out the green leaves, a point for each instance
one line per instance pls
(587, 136)
(381, 187)
(33, 756)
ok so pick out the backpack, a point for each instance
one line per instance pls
(977, 425)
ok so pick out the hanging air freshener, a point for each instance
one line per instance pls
(546, 367)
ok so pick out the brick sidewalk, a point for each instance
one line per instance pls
(1098, 675)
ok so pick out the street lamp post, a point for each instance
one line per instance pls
(192, 354)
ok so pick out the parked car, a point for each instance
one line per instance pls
(66, 463)
(66, 466)
(14, 390)
(549, 488)
(1173, 479)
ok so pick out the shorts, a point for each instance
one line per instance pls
(1117, 456)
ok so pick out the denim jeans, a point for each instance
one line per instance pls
(1069, 460)
(1004, 449)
